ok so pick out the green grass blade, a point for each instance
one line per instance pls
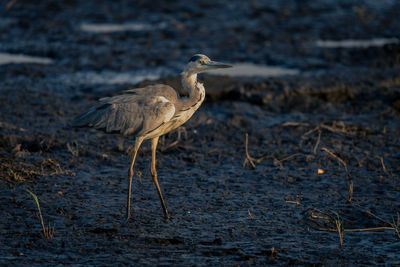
(35, 198)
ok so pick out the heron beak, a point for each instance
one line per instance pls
(216, 65)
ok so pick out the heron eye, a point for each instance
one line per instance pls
(202, 62)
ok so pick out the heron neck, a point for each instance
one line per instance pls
(194, 88)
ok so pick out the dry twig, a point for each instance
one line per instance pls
(383, 165)
(293, 202)
(317, 143)
(319, 217)
(10, 4)
(338, 159)
(294, 124)
(291, 156)
(350, 198)
(251, 215)
(279, 161)
(310, 132)
(358, 230)
(322, 126)
(333, 129)
(248, 159)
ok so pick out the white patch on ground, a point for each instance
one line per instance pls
(6, 58)
(110, 28)
(112, 77)
(356, 43)
(252, 70)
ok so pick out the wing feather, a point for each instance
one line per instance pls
(128, 114)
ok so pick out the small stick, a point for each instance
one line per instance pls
(291, 156)
(251, 215)
(318, 217)
(358, 230)
(293, 202)
(294, 124)
(383, 166)
(350, 198)
(317, 143)
(332, 129)
(371, 214)
(338, 159)
(10, 4)
(248, 157)
(340, 232)
(310, 131)
(277, 161)
(10, 126)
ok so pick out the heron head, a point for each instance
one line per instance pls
(200, 63)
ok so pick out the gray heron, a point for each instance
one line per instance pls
(149, 112)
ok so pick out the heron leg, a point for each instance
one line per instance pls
(128, 205)
(154, 143)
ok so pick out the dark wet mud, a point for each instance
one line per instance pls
(325, 142)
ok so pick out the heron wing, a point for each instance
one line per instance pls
(128, 114)
(158, 89)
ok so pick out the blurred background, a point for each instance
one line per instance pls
(161, 36)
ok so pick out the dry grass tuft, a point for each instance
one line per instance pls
(20, 170)
(330, 221)
(73, 149)
(48, 232)
(339, 228)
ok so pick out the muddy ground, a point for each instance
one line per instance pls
(339, 115)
